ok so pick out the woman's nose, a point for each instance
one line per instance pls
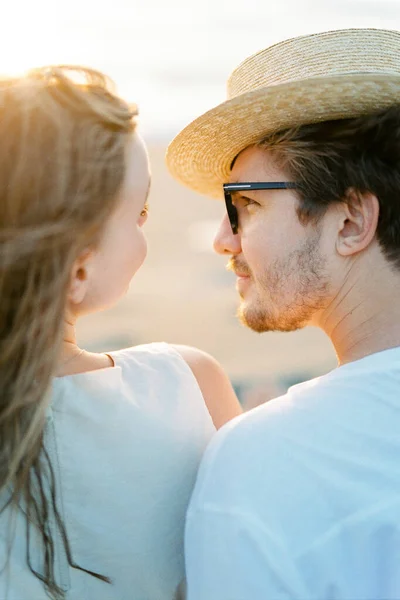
(225, 241)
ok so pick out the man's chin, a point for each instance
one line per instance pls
(254, 320)
(261, 322)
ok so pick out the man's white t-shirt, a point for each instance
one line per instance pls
(300, 498)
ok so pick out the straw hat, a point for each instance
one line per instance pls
(332, 75)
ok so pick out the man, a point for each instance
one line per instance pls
(300, 498)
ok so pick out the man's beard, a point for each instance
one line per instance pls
(288, 293)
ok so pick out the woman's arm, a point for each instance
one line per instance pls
(215, 386)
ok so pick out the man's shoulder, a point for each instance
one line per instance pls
(274, 420)
(267, 444)
(250, 438)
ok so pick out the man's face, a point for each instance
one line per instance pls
(283, 279)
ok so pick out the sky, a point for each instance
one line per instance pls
(171, 57)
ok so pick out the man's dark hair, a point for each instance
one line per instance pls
(329, 158)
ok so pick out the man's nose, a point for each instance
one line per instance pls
(225, 241)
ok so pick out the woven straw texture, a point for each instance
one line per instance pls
(332, 75)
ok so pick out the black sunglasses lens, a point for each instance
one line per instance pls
(232, 212)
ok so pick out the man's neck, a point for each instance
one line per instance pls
(365, 317)
(353, 340)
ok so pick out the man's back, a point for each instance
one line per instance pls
(301, 497)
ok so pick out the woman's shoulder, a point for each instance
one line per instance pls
(161, 356)
(214, 384)
(153, 348)
(160, 373)
(150, 386)
(193, 365)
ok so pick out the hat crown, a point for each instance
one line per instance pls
(350, 51)
(327, 76)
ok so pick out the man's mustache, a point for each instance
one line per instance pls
(238, 267)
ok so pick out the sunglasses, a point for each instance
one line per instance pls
(230, 188)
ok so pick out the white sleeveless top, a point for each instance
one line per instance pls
(125, 443)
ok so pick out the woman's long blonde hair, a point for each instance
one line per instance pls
(63, 135)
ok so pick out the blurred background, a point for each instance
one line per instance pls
(172, 58)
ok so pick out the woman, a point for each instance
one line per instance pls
(98, 452)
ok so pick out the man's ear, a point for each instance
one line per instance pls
(79, 278)
(358, 215)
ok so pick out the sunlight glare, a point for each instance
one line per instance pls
(35, 35)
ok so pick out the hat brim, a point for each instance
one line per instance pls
(200, 156)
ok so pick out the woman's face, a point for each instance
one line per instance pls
(107, 271)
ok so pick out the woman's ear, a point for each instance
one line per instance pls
(359, 215)
(79, 279)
